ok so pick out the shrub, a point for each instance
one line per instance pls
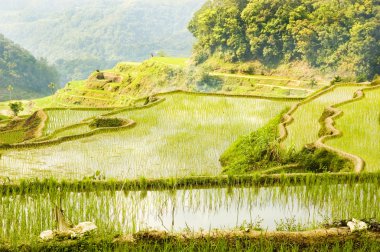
(107, 123)
(16, 107)
(257, 151)
(336, 79)
(205, 82)
(321, 160)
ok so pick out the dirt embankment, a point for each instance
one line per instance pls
(312, 236)
(35, 125)
(32, 126)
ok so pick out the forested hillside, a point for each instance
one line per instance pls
(28, 77)
(340, 36)
(81, 36)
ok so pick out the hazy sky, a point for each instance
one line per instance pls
(59, 5)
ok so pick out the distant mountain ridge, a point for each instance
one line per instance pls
(29, 77)
(81, 36)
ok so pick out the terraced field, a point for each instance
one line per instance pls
(305, 127)
(361, 129)
(185, 135)
(160, 168)
(182, 138)
(10, 137)
(63, 118)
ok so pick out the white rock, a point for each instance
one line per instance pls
(47, 235)
(73, 233)
(84, 227)
(356, 225)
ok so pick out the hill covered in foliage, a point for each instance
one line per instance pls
(28, 76)
(339, 36)
(82, 36)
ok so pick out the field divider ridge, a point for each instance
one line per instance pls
(332, 132)
(288, 118)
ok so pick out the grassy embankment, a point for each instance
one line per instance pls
(227, 241)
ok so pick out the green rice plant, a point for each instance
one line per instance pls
(114, 212)
(61, 118)
(361, 129)
(183, 136)
(91, 183)
(256, 152)
(305, 127)
(11, 137)
(75, 130)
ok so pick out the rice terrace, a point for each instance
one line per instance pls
(260, 131)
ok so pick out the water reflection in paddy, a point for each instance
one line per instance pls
(206, 209)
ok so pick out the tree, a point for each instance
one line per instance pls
(10, 89)
(16, 107)
(313, 83)
(52, 87)
(338, 36)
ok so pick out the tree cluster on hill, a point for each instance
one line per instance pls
(21, 74)
(331, 35)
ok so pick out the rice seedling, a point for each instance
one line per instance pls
(170, 140)
(62, 118)
(118, 212)
(10, 137)
(75, 130)
(97, 182)
(361, 129)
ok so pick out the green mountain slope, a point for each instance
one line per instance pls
(81, 36)
(28, 76)
(338, 36)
